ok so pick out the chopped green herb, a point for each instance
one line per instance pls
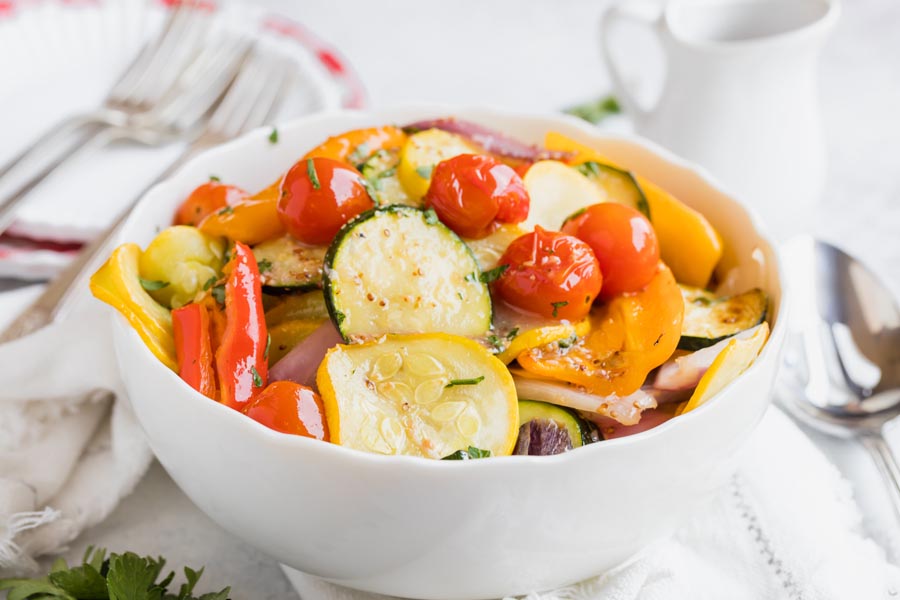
(568, 342)
(425, 171)
(311, 172)
(257, 380)
(431, 217)
(460, 295)
(473, 381)
(339, 317)
(557, 305)
(210, 282)
(117, 577)
(268, 345)
(264, 265)
(359, 154)
(273, 137)
(596, 110)
(588, 169)
(512, 334)
(214, 178)
(493, 274)
(218, 293)
(151, 285)
(587, 299)
(471, 277)
(469, 453)
(226, 211)
(494, 341)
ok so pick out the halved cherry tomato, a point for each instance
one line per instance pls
(292, 408)
(319, 195)
(207, 199)
(624, 243)
(550, 274)
(470, 191)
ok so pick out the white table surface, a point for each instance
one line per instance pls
(539, 55)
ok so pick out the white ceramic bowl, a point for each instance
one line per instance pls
(430, 529)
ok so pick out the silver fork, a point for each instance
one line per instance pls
(189, 97)
(251, 101)
(140, 85)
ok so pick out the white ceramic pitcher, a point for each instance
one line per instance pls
(739, 95)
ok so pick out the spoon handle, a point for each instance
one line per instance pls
(887, 464)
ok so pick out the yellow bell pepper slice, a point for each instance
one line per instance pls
(288, 334)
(734, 359)
(541, 336)
(117, 283)
(688, 243)
(629, 336)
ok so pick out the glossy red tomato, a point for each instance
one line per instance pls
(623, 241)
(205, 200)
(319, 195)
(470, 191)
(292, 408)
(551, 274)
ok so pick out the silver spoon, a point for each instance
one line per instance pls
(842, 361)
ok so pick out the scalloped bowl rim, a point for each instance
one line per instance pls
(300, 443)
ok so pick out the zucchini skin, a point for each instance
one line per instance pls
(579, 430)
(721, 317)
(592, 168)
(344, 236)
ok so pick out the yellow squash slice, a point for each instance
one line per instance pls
(423, 395)
(737, 356)
(556, 191)
(422, 152)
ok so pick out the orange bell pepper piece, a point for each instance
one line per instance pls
(630, 336)
(205, 200)
(242, 357)
(193, 347)
(251, 220)
(688, 243)
(356, 146)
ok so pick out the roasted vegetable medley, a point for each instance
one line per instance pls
(441, 290)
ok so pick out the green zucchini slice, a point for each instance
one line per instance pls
(549, 429)
(708, 319)
(398, 269)
(286, 265)
(618, 185)
(380, 173)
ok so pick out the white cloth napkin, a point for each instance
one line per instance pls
(70, 448)
(786, 527)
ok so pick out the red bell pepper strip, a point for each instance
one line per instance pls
(241, 359)
(193, 348)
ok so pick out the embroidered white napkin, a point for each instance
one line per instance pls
(66, 459)
(786, 527)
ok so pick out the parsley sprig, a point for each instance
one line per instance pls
(115, 577)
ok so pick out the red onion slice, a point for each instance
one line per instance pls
(301, 363)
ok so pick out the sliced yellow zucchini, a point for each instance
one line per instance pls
(422, 152)
(400, 270)
(556, 191)
(737, 356)
(489, 249)
(423, 395)
(381, 174)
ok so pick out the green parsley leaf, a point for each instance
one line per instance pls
(567, 342)
(596, 110)
(311, 172)
(264, 265)
(425, 171)
(512, 334)
(471, 277)
(493, 274)
(469, 453)
(226, 210)
(214, 178)
(273, 137)
(557, 305)
(257, 380)
(495, 342)
(210, 282)
(218, 293)
(131, 577)
(588, 169)
(268, 345)
(473, 381)
(151, 285)
(82, 582)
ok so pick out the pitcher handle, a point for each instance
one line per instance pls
(645, 12)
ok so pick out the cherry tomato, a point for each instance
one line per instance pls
(319, 195)
(469, 192)
(289, 407)
(551, 274)
(205, 200)
(623, 241)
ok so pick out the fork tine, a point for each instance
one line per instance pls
(247, 84)
(267, 105)
(139, 65)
